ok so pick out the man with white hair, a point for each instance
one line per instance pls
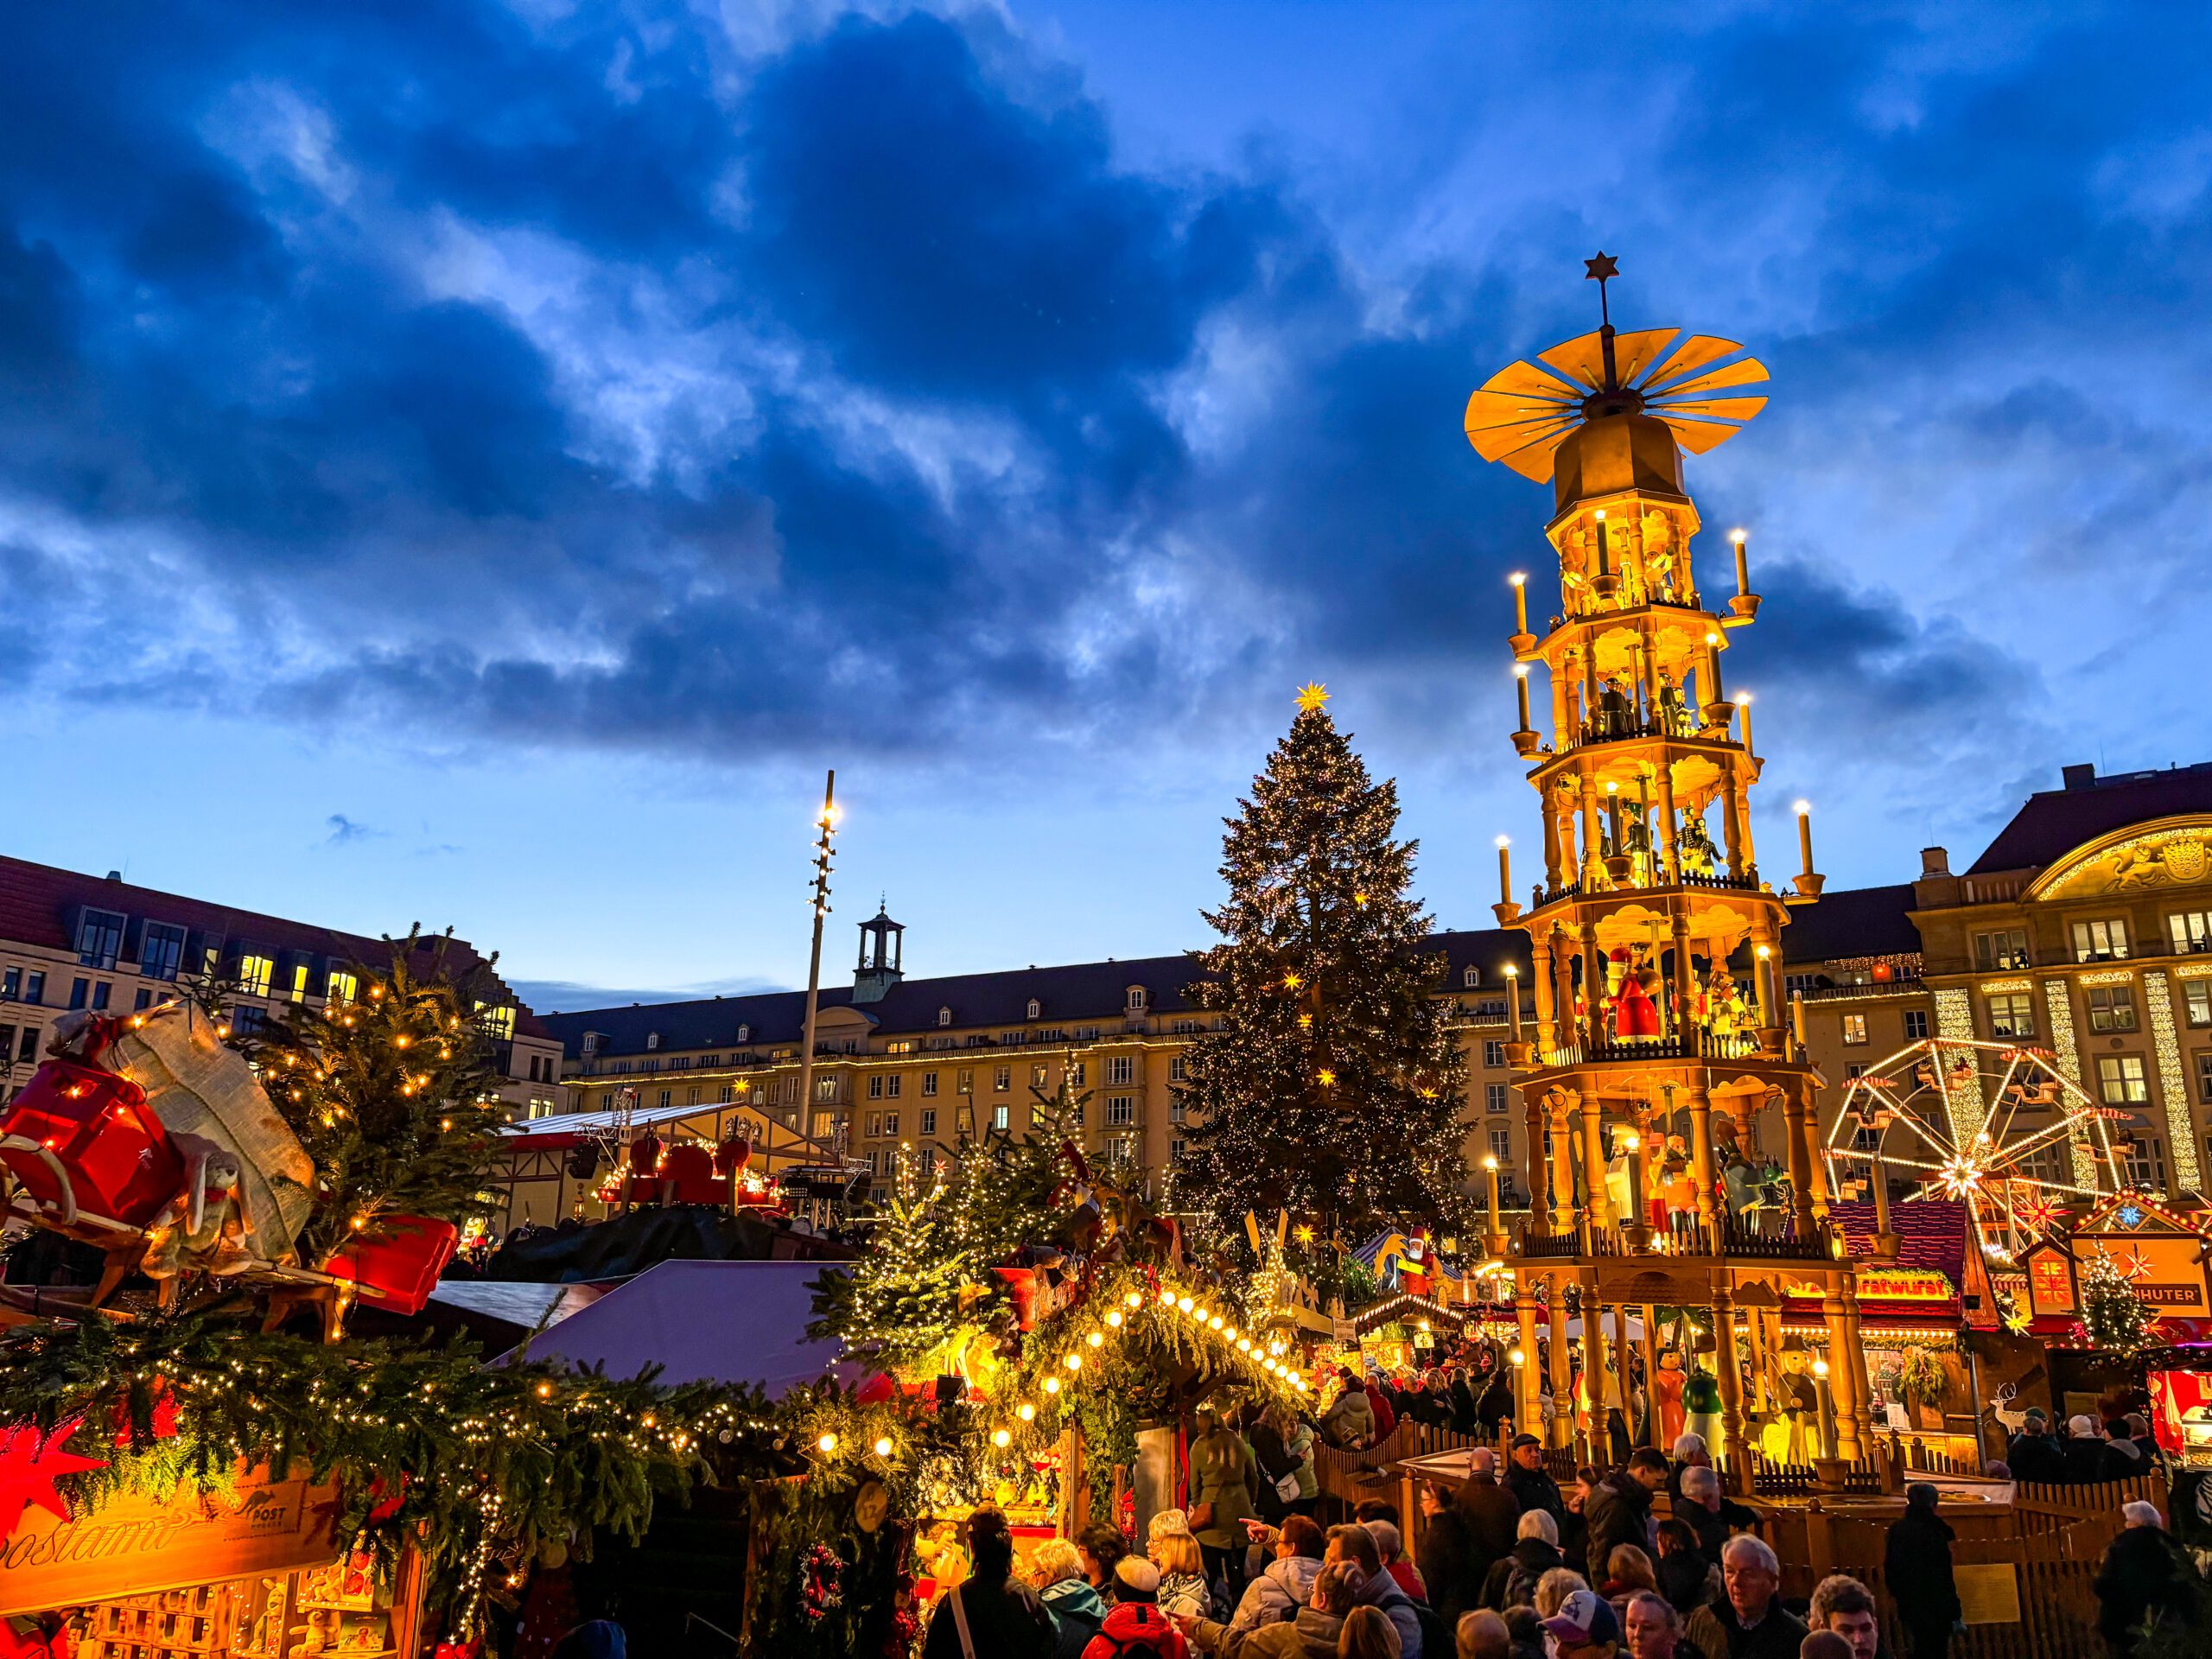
(2142, 1571)
(2085, 1448)
(1513, 1577)
(1690, 1452)
(1751, 1621)
(1712, 1516)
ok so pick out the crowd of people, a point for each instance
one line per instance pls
(1509, 1563)
(2091, 1448)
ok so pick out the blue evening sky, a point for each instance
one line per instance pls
(479, 464)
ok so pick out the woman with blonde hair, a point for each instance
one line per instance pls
(1056, 1568)
(1368, 1634)
(1554, 1587)
(1174, 1550)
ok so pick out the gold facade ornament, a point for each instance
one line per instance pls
(2173, 852)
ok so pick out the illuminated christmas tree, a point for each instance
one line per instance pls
(2113, 1315)
(1331, 1085)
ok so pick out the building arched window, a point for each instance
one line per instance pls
(744, 1033)
(1474, 977)
(1035, 1008)
(652, 1039)
(944, 1016)
(1136, 999)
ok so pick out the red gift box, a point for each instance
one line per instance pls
(397, 1264)
(83, 1142)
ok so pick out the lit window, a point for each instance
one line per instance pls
(1002, 1080)
(2120, 1080)
(2204, 1078)
(1036, 1076)
(2000, 951)
(965, 1083)
(344, 987)
(2112, 1007)
(1854, 1030)
(2105, 941)
(2145, 1164)
(2012, 1015)
(1000, 1115)
(824, 1089)
(1495, 1098)
(299, 990)
(2191, 930)
(254, 975)
(825, 1124)
(2196, 994)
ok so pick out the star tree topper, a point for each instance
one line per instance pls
(1311, 697)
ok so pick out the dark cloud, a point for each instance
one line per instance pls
(345, 831)
(588, 382)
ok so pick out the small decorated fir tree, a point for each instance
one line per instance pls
(1332, 1084)
(2113, 1315)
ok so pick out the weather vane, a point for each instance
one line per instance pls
(1601, 271)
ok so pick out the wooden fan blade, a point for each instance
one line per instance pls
(1526, 380)
(1500, 443)
(1698, 436)
(1694, 353)
(1727, 409)
(1534, 462)
(1633, 352)
(1488, 408)
(1581, 359)
(1736, 374)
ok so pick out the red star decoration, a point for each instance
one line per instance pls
(29, 1468)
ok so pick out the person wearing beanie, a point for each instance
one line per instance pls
(1134, 1617)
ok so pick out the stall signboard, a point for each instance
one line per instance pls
(2165, 1270)
(133, 1545)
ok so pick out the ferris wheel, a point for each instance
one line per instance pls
(1992, 1125)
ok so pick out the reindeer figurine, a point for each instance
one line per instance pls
(2010, 1421)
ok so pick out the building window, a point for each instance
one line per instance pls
(297, 991)
(1176, 1111)
(142, 1001)
(665, 1094)
(1854, 1030)
(1035, 1008)
(1078, 1073)
(254, 975)
(825, 1088)
(2191, 930)
(2012, 1015)
(944, 1016)
(1120, 1110)
(929, 1120)
(2112, 1007)
(27, 1048)
(1175, 1148)
(2006, 949)
(1036, 1076)
(825, 1125)
(1493, 1054)
(2105, 941)
(876, 1087)
(965, 1083)
(35, 988)
(1000, 1115)
(1136, 999)
(1120, 1069)
(161, 951)
(344, 987)
(723, 1096)
(79, 990)
(893, 1084)
(1916, 1025)
(99, 937)
(1495, 1098)
(2145, 1164)
(891, 1126)
(2196, 996)
(2121, 1081)
(2204, 1077)
(1178, 1069)
(11, 985)
(928, 1084)
(652, 1040)
(690, 1096)
(1075, 1115)
(101, 992)
(1002, 1080)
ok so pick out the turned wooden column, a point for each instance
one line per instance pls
(1731, 1389)
(1562, 1424)
(1593, 990)
(1529, 1407)
(1540, 952)
(1539, 1166)
(1799, 1154)
(1562, 1178)
(1841, 1382)
(1702, 1151)
(1600, 1203)
(1666, 845)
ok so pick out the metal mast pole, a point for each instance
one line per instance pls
(826, 824)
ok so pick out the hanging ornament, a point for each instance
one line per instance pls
(29, 1468)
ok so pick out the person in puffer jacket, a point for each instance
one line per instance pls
(1512, 1581)
(1135, 1617)
(1288, 1585)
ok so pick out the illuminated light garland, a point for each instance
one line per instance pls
(2173, 1085)
(2058, 1012)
